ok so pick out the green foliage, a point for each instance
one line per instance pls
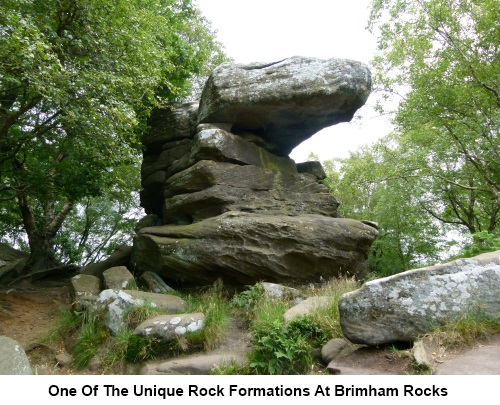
(90, 335)
(247, 300)
(279, 350)
(77, 82)
(441, 58)
(369, 187)
(436, 70)
(482, 242)
(280, 347)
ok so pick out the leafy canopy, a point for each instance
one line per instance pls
(437, 71)
(77, 81)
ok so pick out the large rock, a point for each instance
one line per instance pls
(226, 163)
(305, 307)
(12, 261)
(119, 278)
(285, 102)
(84, 290)
(245, 248)
(170, 124)
(13, 359)
(170, 327)
(404, 306)
(115, 305)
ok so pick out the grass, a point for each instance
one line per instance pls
(93, 339)
(90, 335)
(67, 323)
(327, 316)
(466, 330)
(214, 304)
(281, 347)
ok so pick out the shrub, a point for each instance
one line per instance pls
(246, 301)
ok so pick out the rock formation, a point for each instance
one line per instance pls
(407, 305)
(13, 359)
(222, 198)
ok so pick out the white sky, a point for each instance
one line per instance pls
(271, 30)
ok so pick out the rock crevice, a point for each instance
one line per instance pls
(232, 204)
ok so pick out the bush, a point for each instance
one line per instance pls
(246, 301)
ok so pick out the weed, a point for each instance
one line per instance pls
(247, 300)
(466, 330)
(67, 323)
(213, 303)
(91, 335)
(327, 316)
(231, 368)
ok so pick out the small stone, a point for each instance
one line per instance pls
(64, 359)
(94, 364)
(333, 349)
(420, 356)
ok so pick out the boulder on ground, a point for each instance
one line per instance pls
(119, 278)
(155, 283)
(13, 359)
(169, 327)
(407, 305)
(84, 290)
(333, 349)
(305, 307)
(278, 291)
(115, 305)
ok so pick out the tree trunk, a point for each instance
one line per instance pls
(42, 254)
(42, 233)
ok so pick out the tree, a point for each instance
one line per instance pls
(368, 188)
(441, 60)
(77, 80)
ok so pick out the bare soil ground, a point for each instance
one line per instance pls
(29, 310)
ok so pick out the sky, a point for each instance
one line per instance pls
(271, 30)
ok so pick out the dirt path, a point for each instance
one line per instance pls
(28, 311)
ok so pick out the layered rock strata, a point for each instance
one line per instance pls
(231, 204)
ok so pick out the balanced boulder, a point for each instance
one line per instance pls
(285, 102)
(222, 197)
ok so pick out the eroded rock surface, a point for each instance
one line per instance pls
(13, 359)
(169, 327)
(230, 202)
(285, 102)
(243, 247)
(407, 305)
